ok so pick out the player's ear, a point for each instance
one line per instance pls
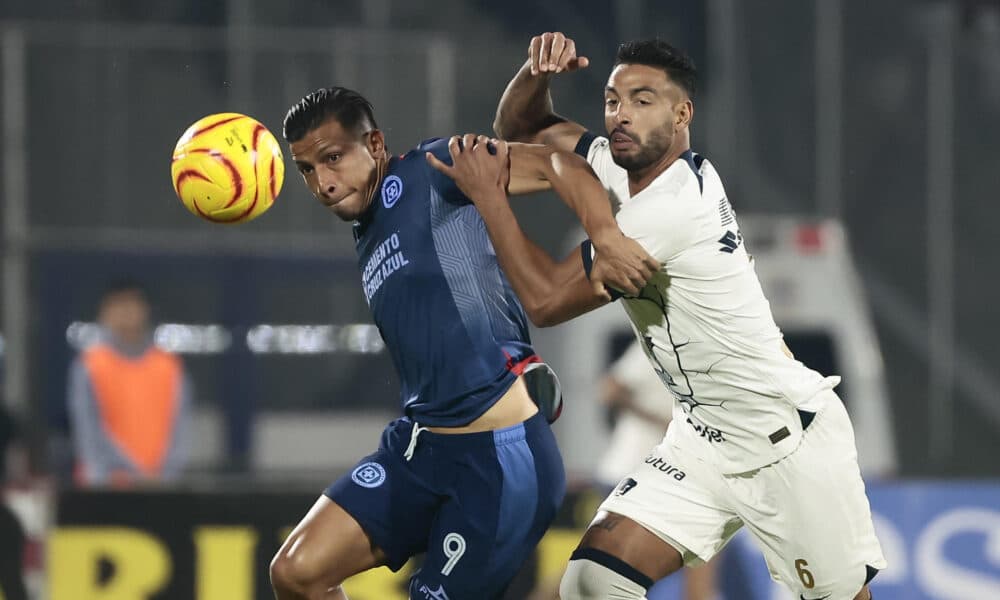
(684, 113)
(376, 142)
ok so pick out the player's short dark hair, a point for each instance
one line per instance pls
(349, 108)
(656, 53)
(122, 285)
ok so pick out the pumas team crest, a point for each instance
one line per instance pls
(392, 189)
(368, 475)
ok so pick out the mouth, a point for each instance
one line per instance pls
(330, 202)
(621, 140)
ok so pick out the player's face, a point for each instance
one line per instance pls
(641, 107)
(125, 315)
(340, 167)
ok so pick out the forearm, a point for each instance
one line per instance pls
(528, 268)
(534, 167)
(576, 185)
(177, 454)
(525, 108)
(650, 416)
(551, 292)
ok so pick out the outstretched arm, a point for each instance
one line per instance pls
(525, 112)
(551, 292)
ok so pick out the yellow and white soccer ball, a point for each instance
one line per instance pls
(227, 168)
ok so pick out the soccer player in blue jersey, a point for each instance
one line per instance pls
(471, 474)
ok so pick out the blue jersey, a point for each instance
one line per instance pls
(456, 332)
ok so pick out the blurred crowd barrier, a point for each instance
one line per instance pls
(939, 540)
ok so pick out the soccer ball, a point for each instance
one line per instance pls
(227, 168)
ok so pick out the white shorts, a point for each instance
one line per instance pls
(808, 512)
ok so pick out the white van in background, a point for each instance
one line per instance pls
(808, 275)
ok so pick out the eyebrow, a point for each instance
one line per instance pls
(321, 149)
(633, 91)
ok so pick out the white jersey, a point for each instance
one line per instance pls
(704, 322)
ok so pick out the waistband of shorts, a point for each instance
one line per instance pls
(492, 438)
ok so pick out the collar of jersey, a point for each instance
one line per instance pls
(369, 215)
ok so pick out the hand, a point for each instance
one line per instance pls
(623, 264)
(480, 174)
(554, 53)
(614, 394)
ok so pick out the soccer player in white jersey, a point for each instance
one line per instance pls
(758, 439)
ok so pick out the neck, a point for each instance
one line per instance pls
(131, 345)
(381, 166)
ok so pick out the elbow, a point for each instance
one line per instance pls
(571, 164)
(511, 129)
(542, 320)
(542, 315)
(501, 127)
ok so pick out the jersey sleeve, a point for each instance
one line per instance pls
(439, 181)
(597, 150)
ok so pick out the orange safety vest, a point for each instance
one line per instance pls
(138, 399)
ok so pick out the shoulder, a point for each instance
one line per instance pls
(440, 182)
(590, 144)
(95, 356)
(167, 359)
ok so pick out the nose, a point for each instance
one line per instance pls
(326, 186)
(622, 117)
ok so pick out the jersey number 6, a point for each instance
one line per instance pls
(804, 575)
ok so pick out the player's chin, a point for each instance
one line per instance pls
(628, 151)
(627, 159)
(348, 209)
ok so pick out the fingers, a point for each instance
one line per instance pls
(503, 149)
(468, 142)
(437, 164)
(626, 283)
(553, 52)
(622, 279)
(569, 61)
(534, 50)
(600, 290)
(500, 147)
(637, 281)
(556, 51)
(503, 154)
(545, 51)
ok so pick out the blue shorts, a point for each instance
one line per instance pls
(476, 503)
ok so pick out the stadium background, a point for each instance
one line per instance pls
(883, 116)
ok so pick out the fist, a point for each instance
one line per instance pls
(554, 53)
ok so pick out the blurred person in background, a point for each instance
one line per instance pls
(129, 401)
(641, 410)
(12, 538)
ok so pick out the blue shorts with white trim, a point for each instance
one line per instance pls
(476, 503)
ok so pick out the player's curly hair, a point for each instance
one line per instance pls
(657, 53)
(349, 108)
